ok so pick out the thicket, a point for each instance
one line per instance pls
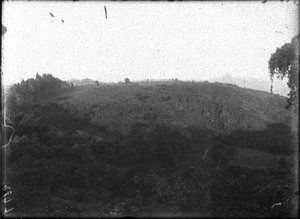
(27, 91)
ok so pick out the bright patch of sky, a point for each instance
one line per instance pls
(143, 40)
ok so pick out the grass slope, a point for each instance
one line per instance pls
(220, 108)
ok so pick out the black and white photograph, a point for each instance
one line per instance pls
(150, 109)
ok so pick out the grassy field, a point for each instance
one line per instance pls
(256, 159)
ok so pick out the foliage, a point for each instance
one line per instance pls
(242, 192)
(285, 63)
(27, 91)
(144, 156)
(126, 81)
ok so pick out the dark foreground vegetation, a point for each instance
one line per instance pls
(159, 150)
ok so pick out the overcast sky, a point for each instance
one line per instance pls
(143, 40)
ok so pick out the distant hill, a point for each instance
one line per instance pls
(83, 82)
(279, 87)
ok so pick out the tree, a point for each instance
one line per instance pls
(4, 30)
(38, 77)
(126, 80)
(285, 63)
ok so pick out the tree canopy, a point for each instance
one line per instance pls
(27, 91)
(126, 80)
(285, 63)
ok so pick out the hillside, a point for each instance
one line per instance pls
(213, 106)
(180, 148)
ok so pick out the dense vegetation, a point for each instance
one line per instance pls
(28, 91)
(159, 150)
(284, 62)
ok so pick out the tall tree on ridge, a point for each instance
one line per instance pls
(285, 63)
